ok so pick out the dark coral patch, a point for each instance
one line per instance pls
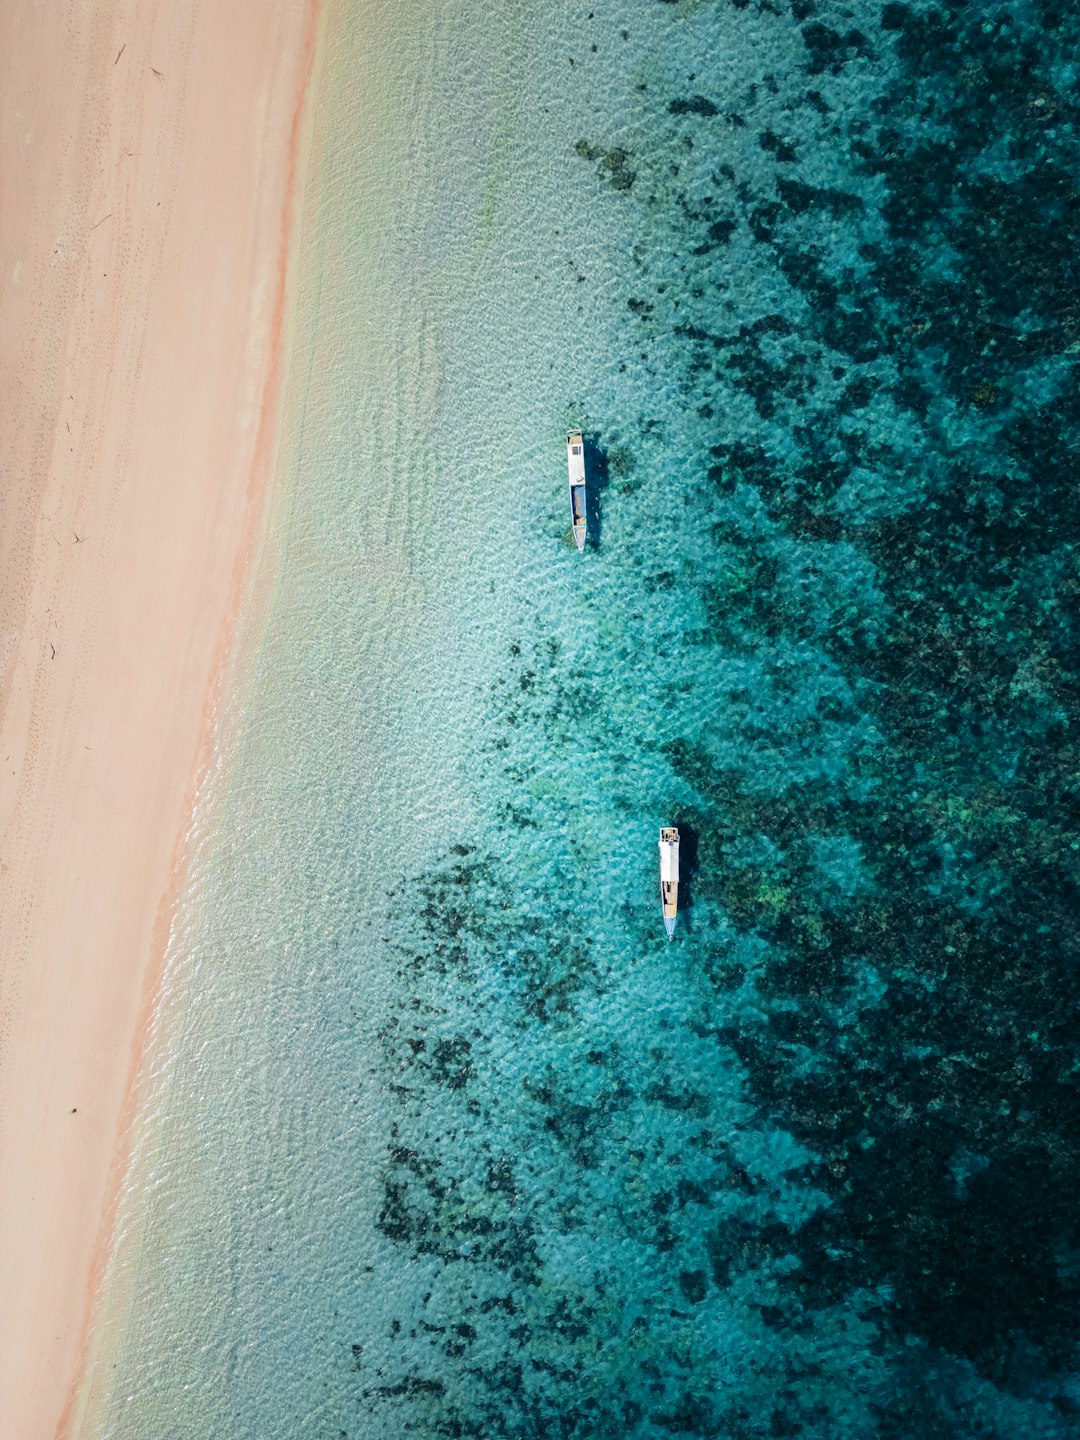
(695, 105)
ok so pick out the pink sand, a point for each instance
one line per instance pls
(148, 157)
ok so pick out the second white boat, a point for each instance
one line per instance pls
(575, 461)
(669, 877)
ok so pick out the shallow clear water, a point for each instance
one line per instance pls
(440, 1136)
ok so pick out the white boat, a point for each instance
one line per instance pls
(575, 460)
(669, 877)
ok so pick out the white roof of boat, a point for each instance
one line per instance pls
(576, 461)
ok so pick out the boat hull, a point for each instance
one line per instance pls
(575, 464)
(669, 877)
(577, 515)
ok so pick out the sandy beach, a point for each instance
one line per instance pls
(148, 170)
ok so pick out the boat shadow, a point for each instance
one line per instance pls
(597, 480)
(688, 868)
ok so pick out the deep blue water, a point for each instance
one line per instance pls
(812, 1171)
(806, 272)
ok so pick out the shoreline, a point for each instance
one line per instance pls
(141, 377)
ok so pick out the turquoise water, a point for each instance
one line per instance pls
(440, 1137)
